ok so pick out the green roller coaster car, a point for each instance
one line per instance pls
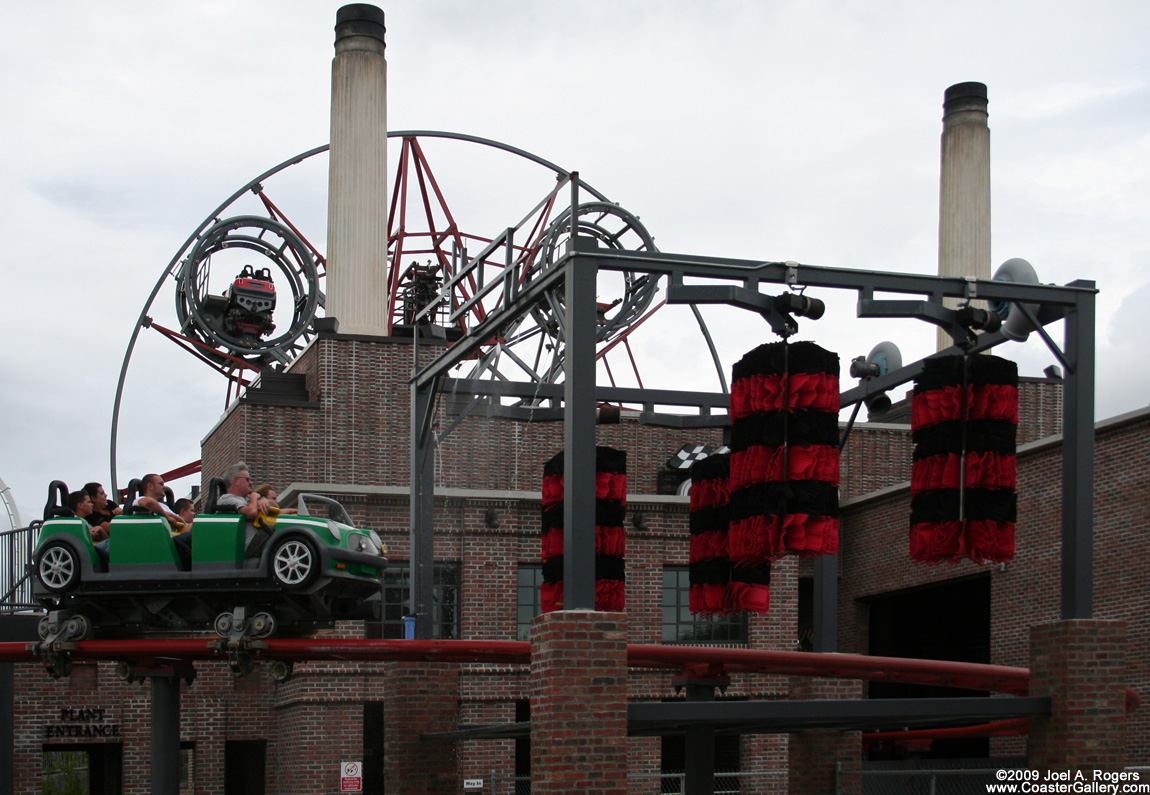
(312, 571)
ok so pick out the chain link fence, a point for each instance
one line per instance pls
(763, 782)
(969, 777)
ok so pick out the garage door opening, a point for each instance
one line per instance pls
(943, 621)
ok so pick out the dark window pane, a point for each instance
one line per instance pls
(445, 600)
(528, 604)
(681, 626)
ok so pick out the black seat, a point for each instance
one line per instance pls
(216, 489)
(57, 504)
(130, 507)
(170, 498)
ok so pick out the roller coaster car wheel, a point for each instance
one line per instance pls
(58, 567)
(263, 625)
(294, 563)
(79, 628)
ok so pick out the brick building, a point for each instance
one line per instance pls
(338, 425)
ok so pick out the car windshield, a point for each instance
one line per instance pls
(324, 508)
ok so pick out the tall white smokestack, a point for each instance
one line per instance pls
(964, 195)
(357, 174)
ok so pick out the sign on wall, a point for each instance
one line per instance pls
(75, 723)
(350, 777)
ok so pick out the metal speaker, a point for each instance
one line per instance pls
(882, 359)
(1015, 326)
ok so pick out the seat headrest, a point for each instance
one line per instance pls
(130, 508)
(215, 489)
(57, 504)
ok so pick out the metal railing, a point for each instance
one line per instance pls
(15, 556)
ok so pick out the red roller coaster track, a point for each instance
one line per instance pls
(1001, 679)
(692, 661)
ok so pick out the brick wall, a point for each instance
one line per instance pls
(1081, 665)
(214, 708)
(421, 698)
(359, 428)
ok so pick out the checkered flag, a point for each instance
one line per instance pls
(688, 454)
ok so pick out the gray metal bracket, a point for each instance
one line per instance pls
(239, 633)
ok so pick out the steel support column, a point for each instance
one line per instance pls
(579, 435)
(165, 734)
(826, 603)
(700, 747)
(422, 558)
(1078, 459)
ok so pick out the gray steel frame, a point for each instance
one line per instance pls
(648, 718)
(737, 282)
(771, 717)
(579, 392)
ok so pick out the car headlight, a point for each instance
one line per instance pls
(379, 545)
(364, 542)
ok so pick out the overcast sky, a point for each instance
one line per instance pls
(804, 131)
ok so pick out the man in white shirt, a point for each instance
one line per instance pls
(240, 499)
(152, 498)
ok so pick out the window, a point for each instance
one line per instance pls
(806, 639)
(445, 600)
(680, 626)
(64, 771)
(94, 768)
(527, 604)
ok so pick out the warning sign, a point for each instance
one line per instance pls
(350, 777)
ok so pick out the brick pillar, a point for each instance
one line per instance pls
(579, 703)
(318, 723)
(136, 752)
(1081, 665)
(420, 698)
(211, 721)
(813, 755)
